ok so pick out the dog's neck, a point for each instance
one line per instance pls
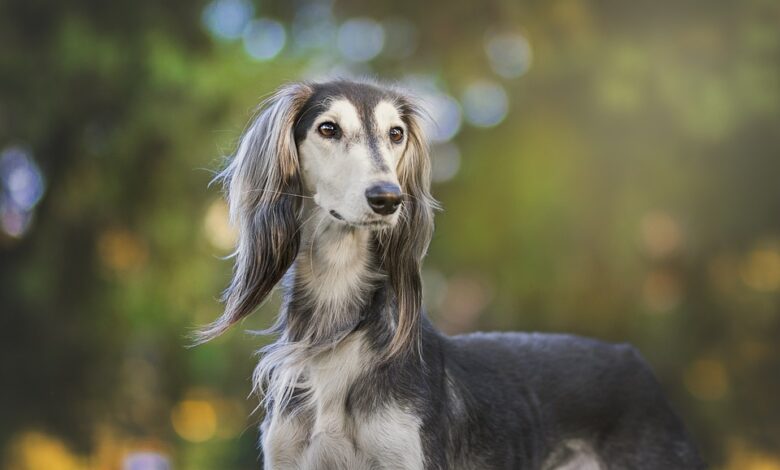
(334, 288)
(331, 283)
(329, 291)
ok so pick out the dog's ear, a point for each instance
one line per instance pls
(263, 187)
(403, 250)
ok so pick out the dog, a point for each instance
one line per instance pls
(330, 191)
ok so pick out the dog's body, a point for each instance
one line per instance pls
(359, 378)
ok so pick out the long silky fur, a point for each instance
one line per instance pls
(264, 193)
(263, 187)
(402, 250)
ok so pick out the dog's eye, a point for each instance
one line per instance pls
(396, 134)
(329, 130)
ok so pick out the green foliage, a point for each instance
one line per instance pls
(630, 194)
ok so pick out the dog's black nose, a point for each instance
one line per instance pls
(384, 198)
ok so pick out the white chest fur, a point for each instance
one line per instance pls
(333, 266)
(322, 435)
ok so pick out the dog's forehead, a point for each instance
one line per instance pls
(365, 101)
(345, 113)
(386, 114)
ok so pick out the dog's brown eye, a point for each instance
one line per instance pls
(396, 134)
(329, 130)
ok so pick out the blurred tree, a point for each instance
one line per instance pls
(607, 168)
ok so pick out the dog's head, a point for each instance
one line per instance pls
(351, 138)
(358, 151)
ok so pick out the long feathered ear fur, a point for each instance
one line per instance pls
(403, 250)
(263, 189)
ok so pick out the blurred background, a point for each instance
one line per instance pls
(606, 168)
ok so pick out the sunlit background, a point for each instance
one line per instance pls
(607, 168)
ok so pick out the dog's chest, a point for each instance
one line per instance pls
(322, 434)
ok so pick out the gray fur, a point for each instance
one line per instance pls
(358, 377)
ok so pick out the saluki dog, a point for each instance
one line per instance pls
(330, 191)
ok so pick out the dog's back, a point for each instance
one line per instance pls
(560, 401)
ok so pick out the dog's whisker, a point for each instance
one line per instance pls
(311, 244)
(281, 193)
(303, 224)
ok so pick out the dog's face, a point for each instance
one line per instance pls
(358, 150)
(351, 138)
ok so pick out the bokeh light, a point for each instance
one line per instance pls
(195, 419)
(761, 268)
(485, 103)
(264, 38)
(146, 461)
(444, 116)
(707, 379)
(360, 39)
(217, 228)
(743, 456)
(466, 298)
(227, 19)
(21, 188)
(33, 450)
(509, 53)
(22, 180)
(401, 37)
(445, 161)
(121, 251)
(434, 289)
(314, 27)
(14, 221)
(661, 234)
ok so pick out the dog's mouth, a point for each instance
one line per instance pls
(375, 224)
(372, 224)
